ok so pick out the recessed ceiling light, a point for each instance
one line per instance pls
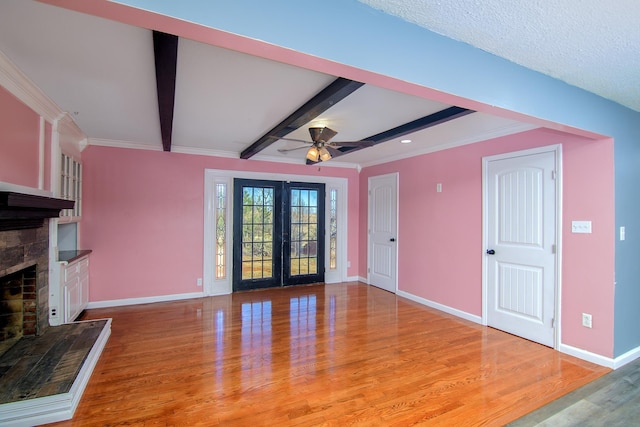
(405, 141)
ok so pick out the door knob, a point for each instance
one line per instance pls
(392, 239)
(491, 252)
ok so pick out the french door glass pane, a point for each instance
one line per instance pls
(257, 233)
(303, 232)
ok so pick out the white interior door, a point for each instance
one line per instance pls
(520, 233)
(383, 231)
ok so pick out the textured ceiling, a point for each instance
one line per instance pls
(591, 44)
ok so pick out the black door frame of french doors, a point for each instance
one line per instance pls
(292, 214)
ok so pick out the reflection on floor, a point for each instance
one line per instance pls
(340, 354)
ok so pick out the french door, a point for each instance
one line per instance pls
(278, 230)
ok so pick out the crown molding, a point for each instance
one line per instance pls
(208, 152)
(18, 84)
(101, 142)
(204, 152)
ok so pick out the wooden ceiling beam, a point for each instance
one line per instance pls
(425, 122)
(165, 50)
(329, 96)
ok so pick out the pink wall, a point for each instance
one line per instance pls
(143, 218)
(440, 234)
(19, 141)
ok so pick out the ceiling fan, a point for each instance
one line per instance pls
(321, 148)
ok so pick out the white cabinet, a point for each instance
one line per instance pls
(68, 286)
(75, 288)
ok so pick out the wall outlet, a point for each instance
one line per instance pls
(199, 281)
(348, 264)
(587, 320)
(622, 233)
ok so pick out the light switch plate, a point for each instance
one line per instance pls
(581, 226)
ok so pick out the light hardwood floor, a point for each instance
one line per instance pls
(335, 355)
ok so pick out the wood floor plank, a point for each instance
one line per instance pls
(335, 355)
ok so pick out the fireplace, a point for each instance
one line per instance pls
(24, 284)
(24, 264)
(18, 306)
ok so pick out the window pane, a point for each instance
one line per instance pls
(221, 232)
(333, 229)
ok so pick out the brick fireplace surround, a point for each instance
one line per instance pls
(24, 272)
(19, 250)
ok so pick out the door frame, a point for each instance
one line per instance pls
(557, 150)
(213, 286)
(396, 177)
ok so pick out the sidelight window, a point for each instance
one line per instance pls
(333, 229)
(221, 230)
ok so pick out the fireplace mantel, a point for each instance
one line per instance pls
(19, 210)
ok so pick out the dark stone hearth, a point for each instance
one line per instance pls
(53, 361)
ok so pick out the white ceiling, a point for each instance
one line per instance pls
(591, 44)
(102, 72)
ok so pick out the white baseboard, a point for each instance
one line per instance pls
(607, 362)
(60, 407)
(626, 358)
(143, 300)
(586, 355)
(450, 310)
(359, 279)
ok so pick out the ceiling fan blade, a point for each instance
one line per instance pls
(333, 151)
(290, 139)
(286, 150)
(323, 134)
(327, 134)
(352, 143)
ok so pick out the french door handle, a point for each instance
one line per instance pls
(491, 252)
(393, 239)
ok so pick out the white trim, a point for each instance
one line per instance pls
(557, 150)
(339, 274)
(213, 286)
(123, 144)
(7, 186)
(441, 307)
(396, 176)
(626, 358)
(211, 175)
(357, 279)
(20, 86)
(198, 151)
(143, 300)
(41, 149)
(588, 356)
(495, 133)
(608, 362)
(59, 407)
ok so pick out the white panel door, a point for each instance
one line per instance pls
(383, 229)
(521, 236)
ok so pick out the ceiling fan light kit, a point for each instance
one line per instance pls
(313, 153)
(324, 154)
(321, 149)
